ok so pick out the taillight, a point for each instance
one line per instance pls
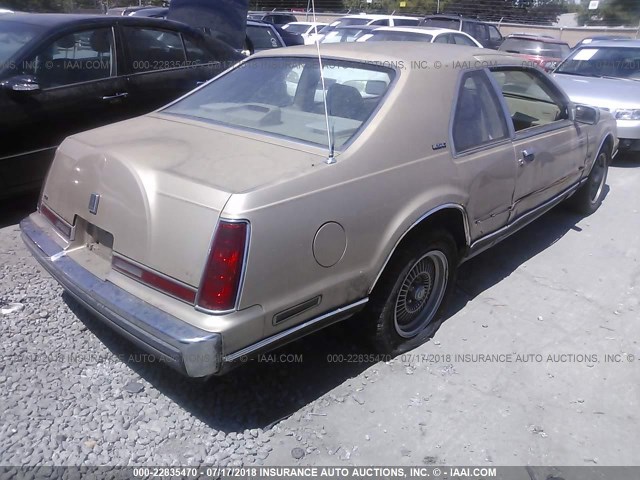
(220, 283)
(60, 225)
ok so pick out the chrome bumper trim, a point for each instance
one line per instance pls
(297, 331)
(188, 349)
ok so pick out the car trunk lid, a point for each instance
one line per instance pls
(158, 186)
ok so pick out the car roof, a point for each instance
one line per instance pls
(357, 27)
(391, 53)
(54, 21)
(378, 16)
(452, 17)
(418, 29)
(537, 38)
(307, 23)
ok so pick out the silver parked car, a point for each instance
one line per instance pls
(606, 73)
(242, 216)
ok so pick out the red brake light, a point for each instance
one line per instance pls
(220, 283)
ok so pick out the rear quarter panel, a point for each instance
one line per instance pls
(379, 186)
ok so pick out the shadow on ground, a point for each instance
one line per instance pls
(260, 394)
(14, 209)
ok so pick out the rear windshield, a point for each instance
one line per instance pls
(398, 36)
(284, 97)
(442, 23)
(615, 62)
(535, 47)
(400, 22)
(14, 36)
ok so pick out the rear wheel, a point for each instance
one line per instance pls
(411, 296)
(589, 196)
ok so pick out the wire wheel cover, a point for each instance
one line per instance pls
(421, 294)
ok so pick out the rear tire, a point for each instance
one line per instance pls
(589, 196)
(410, 298)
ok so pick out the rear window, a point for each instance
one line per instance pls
(262, 38)
(284, 97)
(534, 47)
(442, 23)
(399, 22)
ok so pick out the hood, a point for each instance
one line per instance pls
(609, 93)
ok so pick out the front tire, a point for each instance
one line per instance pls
(589, 196)
(410, 298)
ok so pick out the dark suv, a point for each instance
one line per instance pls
(277, 18)
(488, 35)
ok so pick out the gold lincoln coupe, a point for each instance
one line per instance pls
(293, 191)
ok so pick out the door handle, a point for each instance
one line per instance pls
(527, 156)
(115, 96)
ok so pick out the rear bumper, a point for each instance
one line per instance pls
(188, 349)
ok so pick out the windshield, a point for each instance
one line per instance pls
(618, 62)
(535, 47)
(284, 97)
(398, 36)
(14, 36)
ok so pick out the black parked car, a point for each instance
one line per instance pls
(485, 33)
(61, 74)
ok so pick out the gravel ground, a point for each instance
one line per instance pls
(72, 392)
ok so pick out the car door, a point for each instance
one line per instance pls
(550, 148)
(156, 65)
(481, 140)
(77, 89)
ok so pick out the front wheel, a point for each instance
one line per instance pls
(589, 196)
(411, 296)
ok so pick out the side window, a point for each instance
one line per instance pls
(196, 53)
(478, 117)
(442, 38)
(494, 33)
(384, 22)
(532, 101)
(151, 49)
(462, 40)
(77, 57)
(262, 38)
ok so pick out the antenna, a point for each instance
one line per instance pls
(330, 159)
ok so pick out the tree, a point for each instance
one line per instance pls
(611, 13)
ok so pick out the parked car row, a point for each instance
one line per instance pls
(288, 194)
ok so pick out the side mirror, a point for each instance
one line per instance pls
(586, 114)
(21, 83)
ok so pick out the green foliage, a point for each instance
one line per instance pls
(611, 12)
